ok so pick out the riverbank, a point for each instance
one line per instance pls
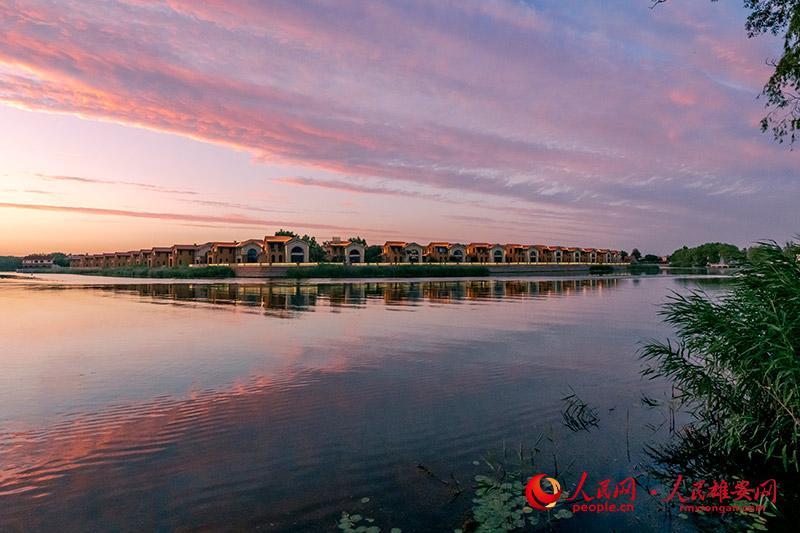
(341, 271)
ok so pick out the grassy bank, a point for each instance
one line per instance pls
(164, 272)
(397, 271)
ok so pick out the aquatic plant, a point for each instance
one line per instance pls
(577, 414)
(356, 523)
(499, 503)
(735, 367)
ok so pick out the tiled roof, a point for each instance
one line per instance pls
(278, 238)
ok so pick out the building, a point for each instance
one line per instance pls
(77, 260)
(457, 253)
(402, 252)
(478, 252)
(484, 252)
(339, 251)
(285, 249)
(222, 253)
(38, 261)
(393, 252)
(413, 253)
(144, 257)
(498, 253)
(122, 259)
(588, 255)
(202, 255)
(571, 254)
(159, 257)
(437, 252)
(516, 253)
(250, 251)
(108, 260)
(182, 255)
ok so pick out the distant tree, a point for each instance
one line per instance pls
(315, 252)
(623, 254)
(9, 263)
(373, 254)
(710, 252)
(650, 258)
(285, 233)
(636, 253)
(358, 240)
(60, 259)
(782, 89)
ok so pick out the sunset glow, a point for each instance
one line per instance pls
(141, 123)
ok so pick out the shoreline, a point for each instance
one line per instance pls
(340, 271)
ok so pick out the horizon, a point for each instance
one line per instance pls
(144, 124)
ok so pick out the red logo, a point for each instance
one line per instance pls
(538, 497)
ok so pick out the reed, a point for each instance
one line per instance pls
(735, 366)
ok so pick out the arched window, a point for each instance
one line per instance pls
(297, 255)
(413, 256)
(498, 256)
(355, 256)
(458, 256)
(252, 255)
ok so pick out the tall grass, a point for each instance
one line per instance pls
(163, 272)
(735, 366)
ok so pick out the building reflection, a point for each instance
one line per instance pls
(288, 300)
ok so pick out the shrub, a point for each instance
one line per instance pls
(164, 272)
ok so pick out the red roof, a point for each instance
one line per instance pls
(278, 238)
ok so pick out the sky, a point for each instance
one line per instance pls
(605, 123)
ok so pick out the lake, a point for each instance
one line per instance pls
(129, 405)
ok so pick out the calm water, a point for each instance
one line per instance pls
(278, 406)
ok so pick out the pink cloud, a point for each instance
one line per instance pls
(236, 220)
(492, 99)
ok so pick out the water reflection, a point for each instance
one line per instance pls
(181, 406)
(288, 300)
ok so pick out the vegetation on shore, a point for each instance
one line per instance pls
(163, 272)
(710, 252)
(735, 366)
(395, 271)
(9, 263)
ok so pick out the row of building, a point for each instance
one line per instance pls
(484, 252)
(281, 249)
(270, 249)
